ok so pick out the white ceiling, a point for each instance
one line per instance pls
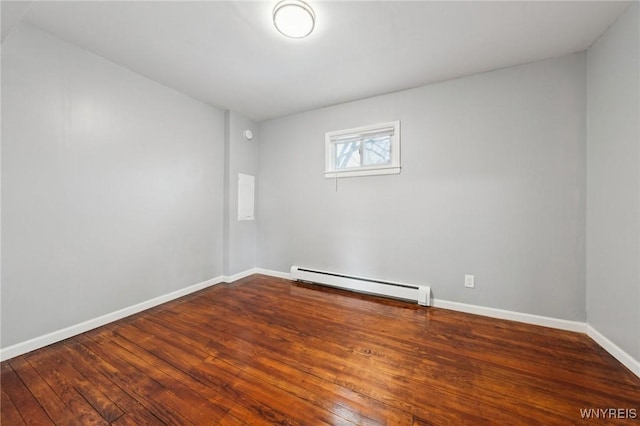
(228, 54)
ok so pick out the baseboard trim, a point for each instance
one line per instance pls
(615, 351)
(272, 273)
(65, 333)
(249, 272)
(238, 276)
(39, 342)
(561, 324)
(580, 327)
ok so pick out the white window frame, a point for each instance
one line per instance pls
(332, 138)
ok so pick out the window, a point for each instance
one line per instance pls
(363, 151)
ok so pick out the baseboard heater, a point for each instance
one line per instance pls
(417, 293)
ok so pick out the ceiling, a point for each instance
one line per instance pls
(228, 54)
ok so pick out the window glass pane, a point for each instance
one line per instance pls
(347, 154)
(377, 151)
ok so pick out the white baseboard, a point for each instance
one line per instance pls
(248, 272)
(576, 326)
(580, 327)
(272, 273)
(615, 351)
(561, 324)
(238, 276)
(74, 330)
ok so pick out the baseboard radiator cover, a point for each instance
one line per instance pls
(416, 293)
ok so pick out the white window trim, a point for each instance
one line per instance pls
(332, 137)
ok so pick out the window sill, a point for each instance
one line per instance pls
(394, 170)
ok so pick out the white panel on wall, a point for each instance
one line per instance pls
(246, 191)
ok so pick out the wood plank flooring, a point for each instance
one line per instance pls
(267, 351)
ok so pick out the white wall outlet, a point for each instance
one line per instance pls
(469, 281)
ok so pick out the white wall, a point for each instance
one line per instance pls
(613, 184)
(111, 187)
(116, 189)
(492, 184)
(241, 156)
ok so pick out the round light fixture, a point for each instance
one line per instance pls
(294, 18)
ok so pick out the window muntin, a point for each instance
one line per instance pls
(362, 151)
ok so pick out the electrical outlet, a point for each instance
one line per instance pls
(469, 281)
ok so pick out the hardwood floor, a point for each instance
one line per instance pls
(267, 351)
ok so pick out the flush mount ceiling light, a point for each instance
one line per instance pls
(294, 18)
